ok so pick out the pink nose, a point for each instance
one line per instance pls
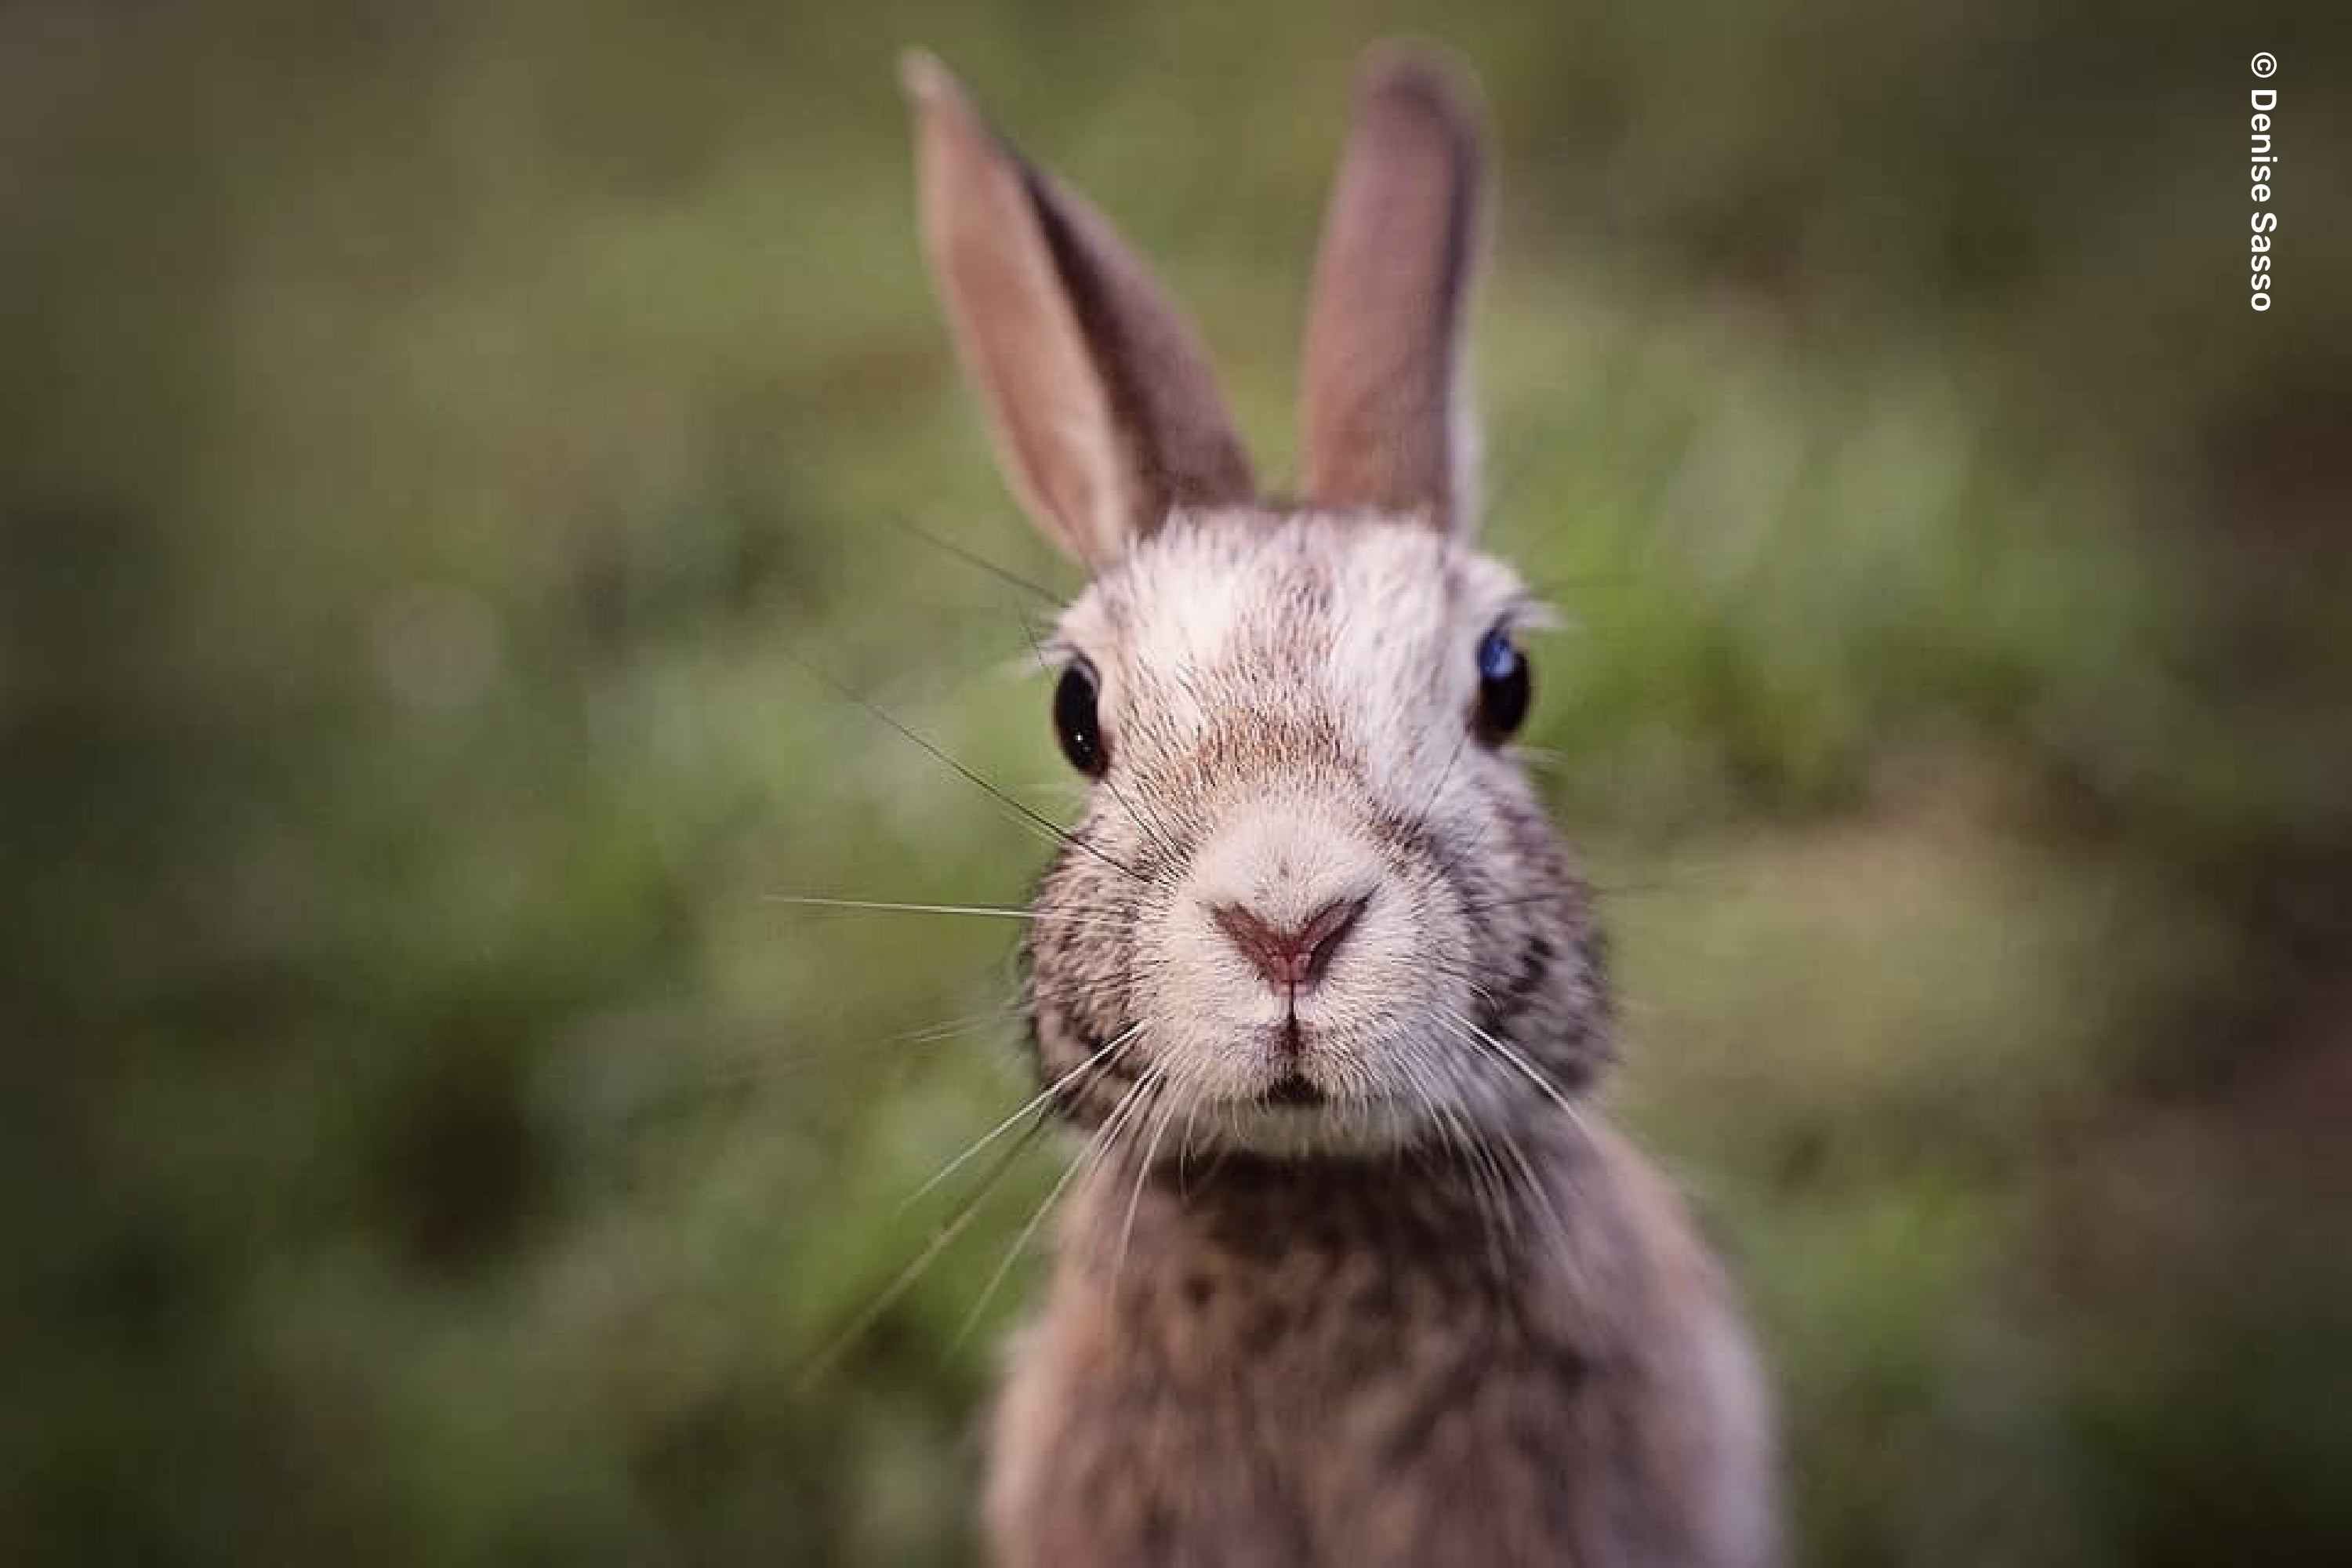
(1290, 959)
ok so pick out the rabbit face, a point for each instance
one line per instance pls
(1311, 902)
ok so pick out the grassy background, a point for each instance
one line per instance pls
(435, 440)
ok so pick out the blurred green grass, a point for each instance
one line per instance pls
(443, 441)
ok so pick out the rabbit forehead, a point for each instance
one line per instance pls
(1360, 627)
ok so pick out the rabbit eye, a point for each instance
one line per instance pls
(1075, 720)
(1504, 686)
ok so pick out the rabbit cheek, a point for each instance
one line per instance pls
(1075, 960)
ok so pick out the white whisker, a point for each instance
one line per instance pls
(987, 910)
(913, 1271)
(1550, 1091)
(1029, 1231)
(1142, 1173)
(1102, 1057)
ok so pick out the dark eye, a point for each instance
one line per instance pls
(1504, 686)
(1075, 720)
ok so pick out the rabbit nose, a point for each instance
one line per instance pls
(1290, 959)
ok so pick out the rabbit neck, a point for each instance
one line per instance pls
(1427, 1225)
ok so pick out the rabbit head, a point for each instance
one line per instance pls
(1312, 901)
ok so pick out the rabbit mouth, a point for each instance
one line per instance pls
(1292, 1091)
(1294, 1052)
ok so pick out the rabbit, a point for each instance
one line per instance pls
(1353, 1270)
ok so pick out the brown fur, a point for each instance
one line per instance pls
(1370, 1364)
(1411, 1303)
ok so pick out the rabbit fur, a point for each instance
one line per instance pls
(1353, 1270)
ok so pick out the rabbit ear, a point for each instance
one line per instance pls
(1383, 422)
(1105, 412)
